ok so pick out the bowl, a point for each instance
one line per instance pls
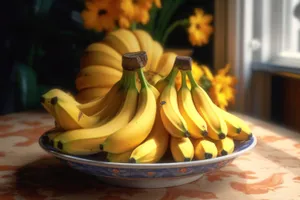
(156, 175)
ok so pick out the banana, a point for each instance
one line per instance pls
(157, 51)
(138, 129)
(97, 76)
(170, 114)
(196, 124)
(101, 54)
(204, 149)
(237, 128)
(154, 147)
(123, 41)
(90, 138)
(145, 41)
(91, 94)
(119, 158)
(216, 125)
(165, 64)
(225, 146)
(46, 101)
(182, 149)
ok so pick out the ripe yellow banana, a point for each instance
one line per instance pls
(154, 147)
(90, 138)
(90, 94)
(123, 41)
(119, 158)
(225, 146)
(145, 41)
(182, 149)
(237, 128)
(170, 114)
(101, 54)
(196, 125)
(97, 76)
(216, 125)
(138, 129)
(204, 149)
(157, 51)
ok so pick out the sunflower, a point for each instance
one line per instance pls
(222, 91)
(136, 11)
(100, 14)
(200, 28)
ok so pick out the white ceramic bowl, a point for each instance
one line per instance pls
(154, 175)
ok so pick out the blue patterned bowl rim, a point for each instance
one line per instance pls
(250, 145)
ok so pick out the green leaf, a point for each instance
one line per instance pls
(42, 7)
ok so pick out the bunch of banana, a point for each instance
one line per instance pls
(101, 62)
(140, 124)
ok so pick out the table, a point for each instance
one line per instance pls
(269, 172)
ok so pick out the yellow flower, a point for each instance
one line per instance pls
(100, 14)
(197, 74)
(200, 28)
(222, 91)
(136, 11)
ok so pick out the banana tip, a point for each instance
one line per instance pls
(208, 155)
(238, 130)
(54, 100)
(222, 136)
(101, 147)
(250, 136)
(187, 159)
(132, 160)
(187, 134)
(224, 153)
(205, 133)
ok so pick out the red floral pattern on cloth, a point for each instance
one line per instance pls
(270, 171)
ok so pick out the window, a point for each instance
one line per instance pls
(276, 33)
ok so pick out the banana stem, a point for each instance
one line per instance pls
(183, 79)
(144, 82)
(192, 80)
(131, 79)
(174, 71)
(173, 76)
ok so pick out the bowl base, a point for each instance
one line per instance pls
(151, 183)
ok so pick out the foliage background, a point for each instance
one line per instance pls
(48, 36)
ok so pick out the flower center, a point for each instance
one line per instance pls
(198, 26)
(102, 12)
(134, 1)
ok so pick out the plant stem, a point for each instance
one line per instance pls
(183, 79)
(133, 26)
(183, 22)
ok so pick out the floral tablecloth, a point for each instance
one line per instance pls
(269, 172)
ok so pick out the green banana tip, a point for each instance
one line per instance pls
(132, 160)
(207, 155)
(238, 130)
(224, 153)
